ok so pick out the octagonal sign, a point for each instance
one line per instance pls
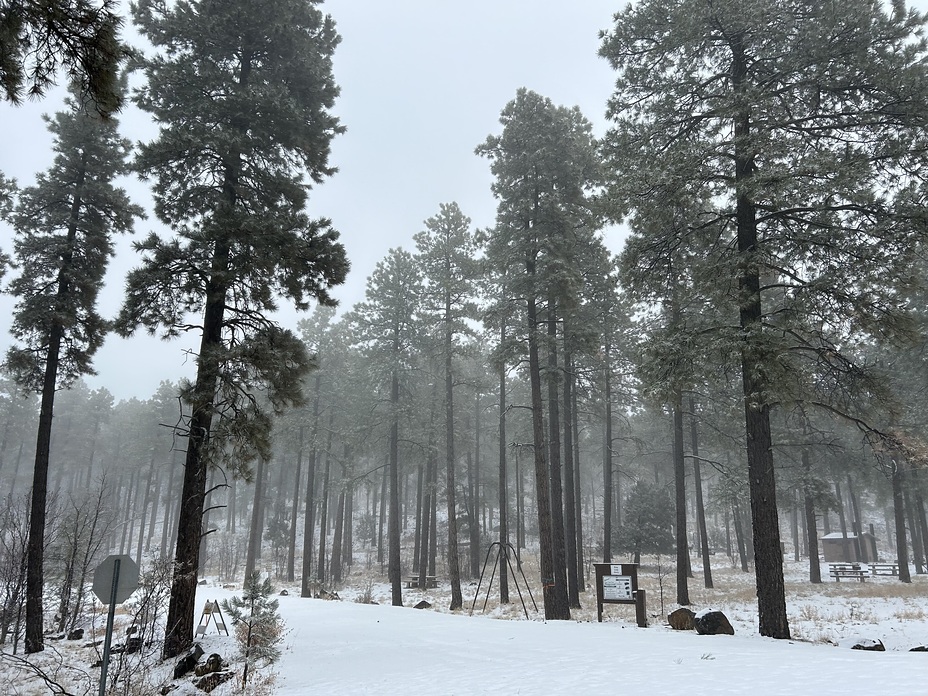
(124, 571)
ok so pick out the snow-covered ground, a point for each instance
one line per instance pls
(347, 647)
(350, 648)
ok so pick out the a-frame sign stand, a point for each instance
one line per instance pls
(211, 612)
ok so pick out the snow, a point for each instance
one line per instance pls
(346, 647)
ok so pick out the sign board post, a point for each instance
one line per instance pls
(617, 583)
(113, 581)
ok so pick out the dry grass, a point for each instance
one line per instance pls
(821, 613)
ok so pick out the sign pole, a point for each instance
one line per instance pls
(109, 629)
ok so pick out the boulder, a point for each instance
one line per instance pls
(681, 619)
(213, 664)
(76, 634)
(712, 622)
(423, 605)
(133, 645)
(919, 648)
(211, 681)
(188, 661)
(869, 644)
(284, 593)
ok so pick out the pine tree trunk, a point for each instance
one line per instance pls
(420, 507)
(309, 504)
(337, 540)
(815, 570)
(570, 507)
(679, 478)
(768, 567)
(559, 546)
(324, 517)
(542, 487)
(902, 551)
(503, 481)
(35, 554)
(700, 507)
(257, 526)
(383, 511)
(295, 512)
(180, 622)
(145, 502)
(912, 525)
(578, 505)
(607, 460)
(842, 520)
(394, 525)
(454, 564)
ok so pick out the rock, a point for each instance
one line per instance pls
(284, 593)
(132, 629)
(211, 681)
(869, 644)
(423, 605)
(323, 594)
(919, 648)
(167, 688)
(133, 645)
(213, 664)
(76, 634)
(202, 582)
(681, 619)
(188, 661)
(712, 622)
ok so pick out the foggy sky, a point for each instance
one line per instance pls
(422, 84)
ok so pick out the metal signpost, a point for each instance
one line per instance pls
(113, 581)
(617, 583)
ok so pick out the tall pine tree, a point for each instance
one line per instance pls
(242, 92)
(798, 126)
(64, 226)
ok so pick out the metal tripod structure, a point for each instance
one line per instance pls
(502, 550)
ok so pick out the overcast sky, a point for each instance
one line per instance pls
(422, 84)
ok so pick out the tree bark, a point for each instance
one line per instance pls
(679, 478)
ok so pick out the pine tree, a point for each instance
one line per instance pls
(259, 629)
(242, 92)
(64, 226)
(385, 326)
(446, 249)
(796, 127)
(38, 36)
(545, 167)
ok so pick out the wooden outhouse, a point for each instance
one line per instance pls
(857, 549)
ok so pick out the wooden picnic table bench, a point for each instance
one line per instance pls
(884, 569)
(412, 581)
(846, 570)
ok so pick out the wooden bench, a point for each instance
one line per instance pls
(412, 581)
(884, 569)
(847, 570)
